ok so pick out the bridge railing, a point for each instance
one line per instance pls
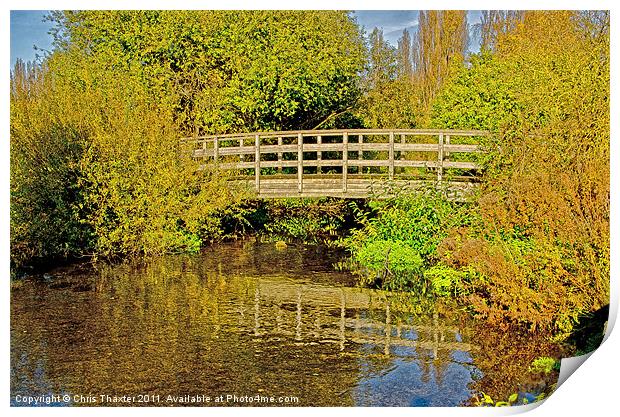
(388, 152)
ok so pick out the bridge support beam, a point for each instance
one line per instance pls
(319, 154)
(440, 158)
(257, 162)
(300, 163)
(391, 157)
(345, 160)
(279, 155)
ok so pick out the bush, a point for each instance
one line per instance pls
(95, 167)
(401, 241)
(542, 257)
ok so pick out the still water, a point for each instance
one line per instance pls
(249, 324)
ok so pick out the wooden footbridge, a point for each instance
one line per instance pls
(353, 163)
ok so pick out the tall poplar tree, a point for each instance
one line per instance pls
(441, 39)
(405, 63)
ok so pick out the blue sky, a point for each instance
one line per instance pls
(28, 28)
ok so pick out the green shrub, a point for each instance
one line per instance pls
(447, 281)
(543, 364)
(403, 236)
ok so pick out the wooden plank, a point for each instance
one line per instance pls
(238, 165)
(339, 132)
(327, 163)
(359, 147)
(462, 148)
(397, 163)
(370, 163)
(236, 150)
(431, 147)
(300, 161)
(345, 159)
(274, 149)
(461, 165)
(416, 164)
(416, 147)
(278, 164)
(325, 147)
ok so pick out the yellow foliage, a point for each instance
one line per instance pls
(546, 197)
(77, 125)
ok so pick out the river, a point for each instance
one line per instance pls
(246, 323)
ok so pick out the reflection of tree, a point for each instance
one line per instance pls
(504, 358)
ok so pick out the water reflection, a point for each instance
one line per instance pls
(241, 320)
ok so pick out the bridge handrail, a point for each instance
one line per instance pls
(338, 132)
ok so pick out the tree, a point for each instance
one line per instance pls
(495, 23)
(405, 59)
(382, 65)
(544, 89)
(389, 100)
(441, 41)
(230, 71)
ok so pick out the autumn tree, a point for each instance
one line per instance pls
(382, 60)
(405, 58)
(389, 100)
(495, 23)
(544, 91)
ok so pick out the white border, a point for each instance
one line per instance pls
(590, 391)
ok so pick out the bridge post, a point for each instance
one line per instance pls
(241, 155)
(401, 154)
(345, 160)
(216, 151)
(360, 153)
(319, 154)
(300, 162)
(440, 158)
(257, 163)
(280, 154)
(391, 157)
(446, 154)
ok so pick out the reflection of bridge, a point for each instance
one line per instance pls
(324, 314)
(355, 163)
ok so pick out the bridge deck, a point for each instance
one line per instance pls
(344, 163)
(357, 186)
